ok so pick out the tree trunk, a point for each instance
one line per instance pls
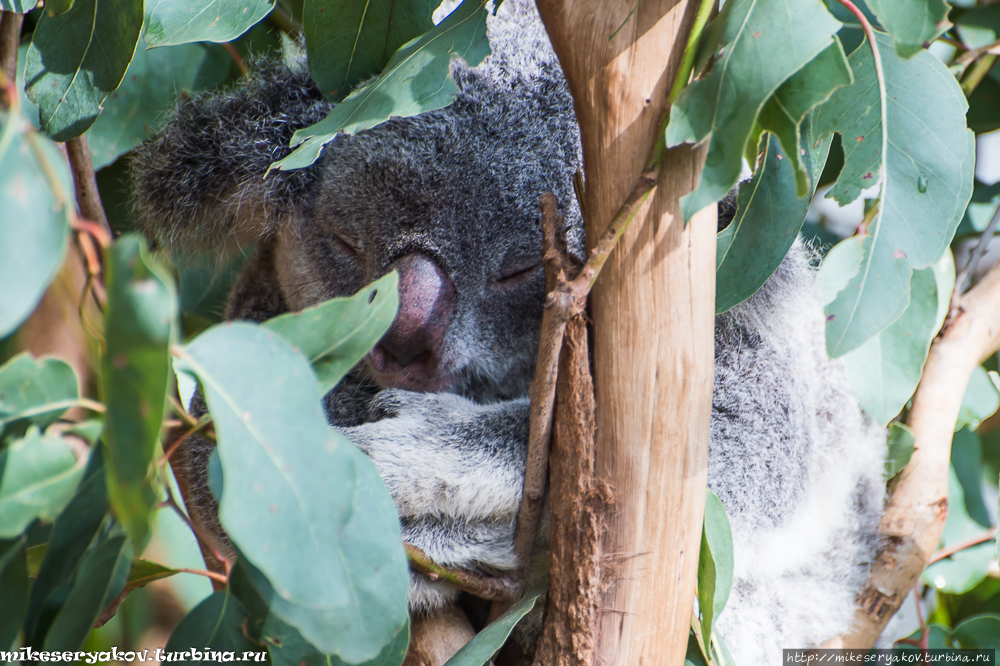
(653, 317)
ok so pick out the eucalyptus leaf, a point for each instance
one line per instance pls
(967, 461)
(925, 157)
(839, 266)
(19, 6)
(416, 79)
(171, 22)
(768, 219)
(337, 333)
(74, 529)
(480, 650)
(715, 563)
(77, 59)
(152, 85)
(965, 569)
(981, 400)
(980, 631)
(911, 24)
(215, 624)
(14, 588)
(35, 184)
(783, 114)
(34, 391)
(102, 575)
(295, 488)
(756, 45)
(38, 476)
(900, 441)
(885, 370)
(140, 314)
(349, 42)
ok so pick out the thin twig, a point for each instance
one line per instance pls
(924, 630)
(88, 197)
(10, 39)
(974, 76)
(198, 425)
(237, 58)
(484, 587)
(205, 541)
(989, 535)
(973, 54)
(973, 263)
(182, 413)
(208, 574)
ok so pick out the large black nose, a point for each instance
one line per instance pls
(410, 353)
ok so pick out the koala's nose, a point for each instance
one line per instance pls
(411, 348)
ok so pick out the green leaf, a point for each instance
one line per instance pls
(967, 460)
(980, 631)
(14, 588)
(216, 624)
(77, 59)
(56, 7)
(900, 440)
(144, 572)
(337, 333)
(962, 571)
(911, 23)
(297, 491)
(768, 219)
(74, 529)
(102, 575)
(285, 645)
(35, 184)
(89, 430)
(135, 377)
(205, 283)
(756, 46)
(19, 6)
(784, 112)
(152, 85)
(937, 639)
(984, 103)
(349, 42)
(927, 171)
(985, 199)
(481, 649)
(884, 371)
(839, 266)
(979, 27)
(417, 79)
(177, 21)
(980, 401)
(36, 554)
(715, 563)
(34, 391)
(38, 475)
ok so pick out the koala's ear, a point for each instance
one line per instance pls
(199, 183)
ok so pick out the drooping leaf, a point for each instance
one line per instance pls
(884, 371)
(34, 391)
(900, 441)
(925, 157)
(767, 221)
(417, 79)
(980, 27)
(337, 333)
(151, 86)
(967, 460)
(962, 571)
(348, 42)
(715, 563)
(756, 46)
(14, 588)
(911, 23)
(480, 649)
(38, 476)
(101, 576)
(784, 112)
(285, 645)
(140, 313)
(74, 529)
(292, 484)
(980, 631)
(35, 184)
(981, 400)
(839, 266)
(77, 59)
(170, 22)
(216, 624)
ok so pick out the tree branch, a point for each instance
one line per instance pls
(10, 39)
(484, 587)
(918, 506)
(88, 197)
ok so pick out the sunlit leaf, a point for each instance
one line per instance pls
(715, 563)
(182, 21)
(480, 649)
(911, 23)
(980, 27)
(34, 391)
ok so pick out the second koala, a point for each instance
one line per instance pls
(449, 198)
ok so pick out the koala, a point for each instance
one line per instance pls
(449, 199)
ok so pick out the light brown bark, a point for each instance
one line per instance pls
(434, 639)
(653, 316)
(918, 506)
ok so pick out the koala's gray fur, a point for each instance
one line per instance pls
(794, 462)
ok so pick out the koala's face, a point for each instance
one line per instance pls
(450, 200)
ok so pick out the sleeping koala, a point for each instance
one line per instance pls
(449, 198)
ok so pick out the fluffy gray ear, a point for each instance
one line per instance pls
(199, 183)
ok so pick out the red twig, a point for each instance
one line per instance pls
(989, 535)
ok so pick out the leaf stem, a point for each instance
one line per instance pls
(209, 574)
(10, 37)
(691, 49)
(237, 58)
(975, 74)
(988, 535)
(484, 587)
(970, 266)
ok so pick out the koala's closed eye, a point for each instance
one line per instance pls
(516, 275)
(341, 245)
